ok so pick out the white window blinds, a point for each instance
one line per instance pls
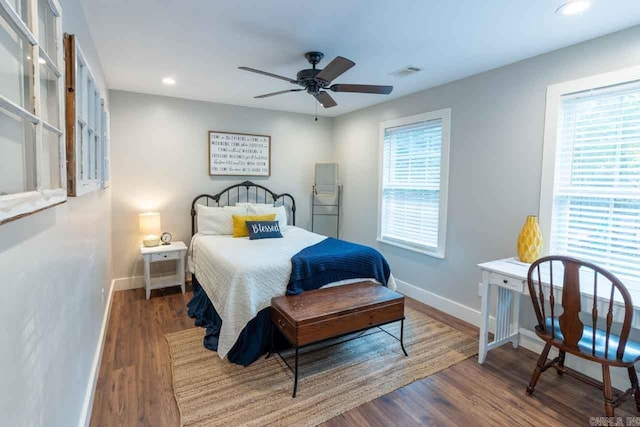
(596, 197)
(412, 156)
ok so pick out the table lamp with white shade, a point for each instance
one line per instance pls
(149, 223)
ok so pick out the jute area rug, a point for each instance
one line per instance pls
(212, 392)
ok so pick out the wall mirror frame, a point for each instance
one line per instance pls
(32, 149)
(87, 125)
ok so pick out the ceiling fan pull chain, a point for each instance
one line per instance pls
(316, 103)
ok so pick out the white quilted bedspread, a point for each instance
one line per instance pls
(240, 276)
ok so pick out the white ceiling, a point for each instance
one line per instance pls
(202, 42)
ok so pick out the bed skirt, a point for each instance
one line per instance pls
(254, 340)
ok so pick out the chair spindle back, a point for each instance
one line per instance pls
(569, 322)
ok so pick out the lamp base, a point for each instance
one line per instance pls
(151, 240)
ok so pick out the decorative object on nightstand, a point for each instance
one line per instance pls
(530, 240)
(149, 223)
(166, 238)
(172, 251)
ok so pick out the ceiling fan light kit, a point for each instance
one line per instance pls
(316, 82)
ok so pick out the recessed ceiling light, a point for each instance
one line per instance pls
(574, 7)
(41, 61)
(168, 81)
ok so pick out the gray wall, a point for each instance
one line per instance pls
(55, 272)
(160, 162)
(496, 155)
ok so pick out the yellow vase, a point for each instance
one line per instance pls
(530, 240)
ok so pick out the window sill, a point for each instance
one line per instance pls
(88, 186)
(435, 253)
(15, 206)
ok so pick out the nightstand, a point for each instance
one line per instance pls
(174, 251)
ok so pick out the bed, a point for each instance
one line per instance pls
(234, 279)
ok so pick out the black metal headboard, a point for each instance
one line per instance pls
(252, 192)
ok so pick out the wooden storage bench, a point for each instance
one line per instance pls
(322, 314)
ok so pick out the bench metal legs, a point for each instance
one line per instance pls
(402, 337)
(272, 350)
(295, 380)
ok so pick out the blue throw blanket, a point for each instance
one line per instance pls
(332, 260)
(313, 267)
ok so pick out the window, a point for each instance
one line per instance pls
(32, 150)
(414, 165)
(590, 202)
(87, 125)
(106, 149)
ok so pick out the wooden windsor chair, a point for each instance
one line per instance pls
(570, 335)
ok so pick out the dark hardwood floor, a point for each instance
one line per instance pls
(134, 385)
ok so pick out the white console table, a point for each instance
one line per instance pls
(509, 277)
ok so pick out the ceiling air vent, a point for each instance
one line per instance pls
(405, 71)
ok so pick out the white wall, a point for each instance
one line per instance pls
(160, 162)
(55, 273)
(496, 154)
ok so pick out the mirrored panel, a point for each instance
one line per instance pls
(50, 160)
(91, 102)
(83, 145)
(22, 9)
(47, 30)
(16, 73)
(92, 155)
(80, 91)
(18, 154)
(49, 96)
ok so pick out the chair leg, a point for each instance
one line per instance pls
(561, 357)
(539, 367)
(633, 377)
(607, 390)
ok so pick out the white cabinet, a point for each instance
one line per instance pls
(174, 251)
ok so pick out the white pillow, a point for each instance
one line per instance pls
(239, 209)
(280, 211)
(247, 204)
(218, 221)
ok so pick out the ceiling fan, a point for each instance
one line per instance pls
(318, 81)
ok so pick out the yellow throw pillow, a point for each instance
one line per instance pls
(240, 223)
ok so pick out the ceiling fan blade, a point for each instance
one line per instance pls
(334, 69)
(264, 73)
(325, 99)
(381, 90)
(266, 95)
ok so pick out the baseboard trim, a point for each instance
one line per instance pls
(462, 312)
(135, 282)
(85, 417)
(126, 283)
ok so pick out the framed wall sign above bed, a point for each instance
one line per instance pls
(239, 154)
